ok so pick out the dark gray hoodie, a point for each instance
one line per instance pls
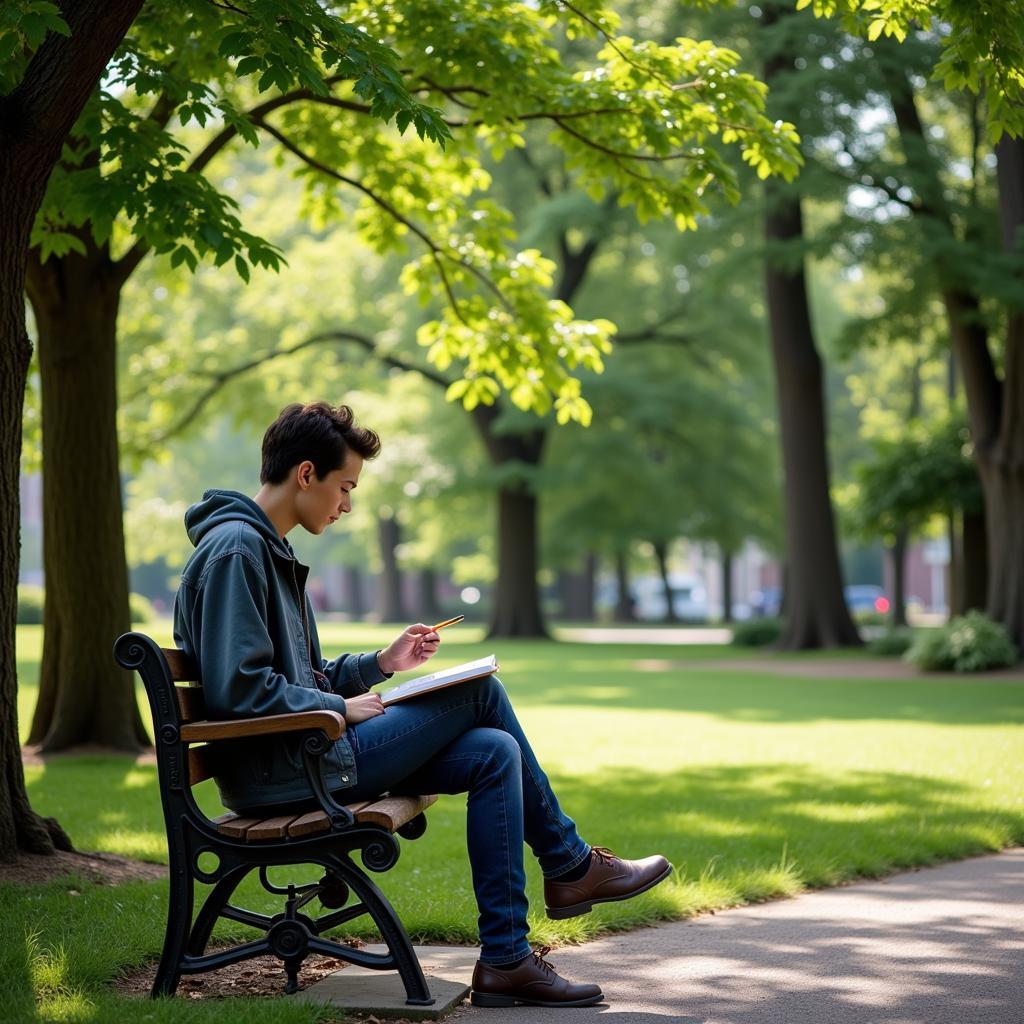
(242, 612)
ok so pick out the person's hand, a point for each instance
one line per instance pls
(359, 709)
(413, 647)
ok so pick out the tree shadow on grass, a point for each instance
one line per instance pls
(737, 822)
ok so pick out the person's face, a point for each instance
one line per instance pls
(319, 503)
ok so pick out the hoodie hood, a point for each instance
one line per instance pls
(219, 507)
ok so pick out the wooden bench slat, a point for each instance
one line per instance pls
(394, 811)
(270, 828)
(391, 813)
(234, 827)
(309, 825)
(191, 703)
(329, 722)
(183, 668)
(200, 765)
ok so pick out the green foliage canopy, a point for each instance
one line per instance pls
(982, 45)
(913, 477)
(650, 123)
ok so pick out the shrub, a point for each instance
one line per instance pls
(141, 609)
(970, 643)
(892, 644)
(757, 632)
(30, 605)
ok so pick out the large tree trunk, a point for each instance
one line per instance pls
(727, 560)
(35, 119)
(1001, 466)
(428, 608)
(84, 697)
(390, 605)
(516, 611)
(816, 613)
(20, 827)
(625, 610)
(576, 591)
(973, 576)
(661, 557)
(354, 592)
(898, 554)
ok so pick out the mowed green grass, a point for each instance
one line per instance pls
(755, 785)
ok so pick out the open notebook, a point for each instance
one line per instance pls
(439, 680)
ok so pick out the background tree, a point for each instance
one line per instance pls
(981, 52)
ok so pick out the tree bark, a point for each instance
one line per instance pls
(816, 613)
(898, 554)
(576, 591)
(354, 592)
(428, 608)
(974, 564)
(390, 605)
(727, 560)
(35, 119)
(661, 556)
(625, 610)
(1001, 464)
(516, 611)
(83, 696)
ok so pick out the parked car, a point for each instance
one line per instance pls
(766, 603)
(866, 597)
(689, 597)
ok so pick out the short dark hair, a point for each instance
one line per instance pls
(317, 432)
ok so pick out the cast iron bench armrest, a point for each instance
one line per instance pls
(331, 723)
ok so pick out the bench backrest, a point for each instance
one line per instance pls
(180, 765)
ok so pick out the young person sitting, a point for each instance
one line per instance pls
(243, 613)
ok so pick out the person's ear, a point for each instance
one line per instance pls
(305, 473)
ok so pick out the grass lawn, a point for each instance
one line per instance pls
(755, 786)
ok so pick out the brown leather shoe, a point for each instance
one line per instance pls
(607, 880)
(533, 983)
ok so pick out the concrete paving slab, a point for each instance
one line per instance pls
(448, 970)
(938, 946)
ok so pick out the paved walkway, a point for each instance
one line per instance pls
(939, 946)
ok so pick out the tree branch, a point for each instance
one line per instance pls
(221, 378)
(617, 153)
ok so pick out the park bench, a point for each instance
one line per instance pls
(185, 742)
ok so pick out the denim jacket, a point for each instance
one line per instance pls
(242, 612)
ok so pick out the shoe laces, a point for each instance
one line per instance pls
(539, 953)
(603, 854)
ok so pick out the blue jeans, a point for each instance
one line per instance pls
(466, 738)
